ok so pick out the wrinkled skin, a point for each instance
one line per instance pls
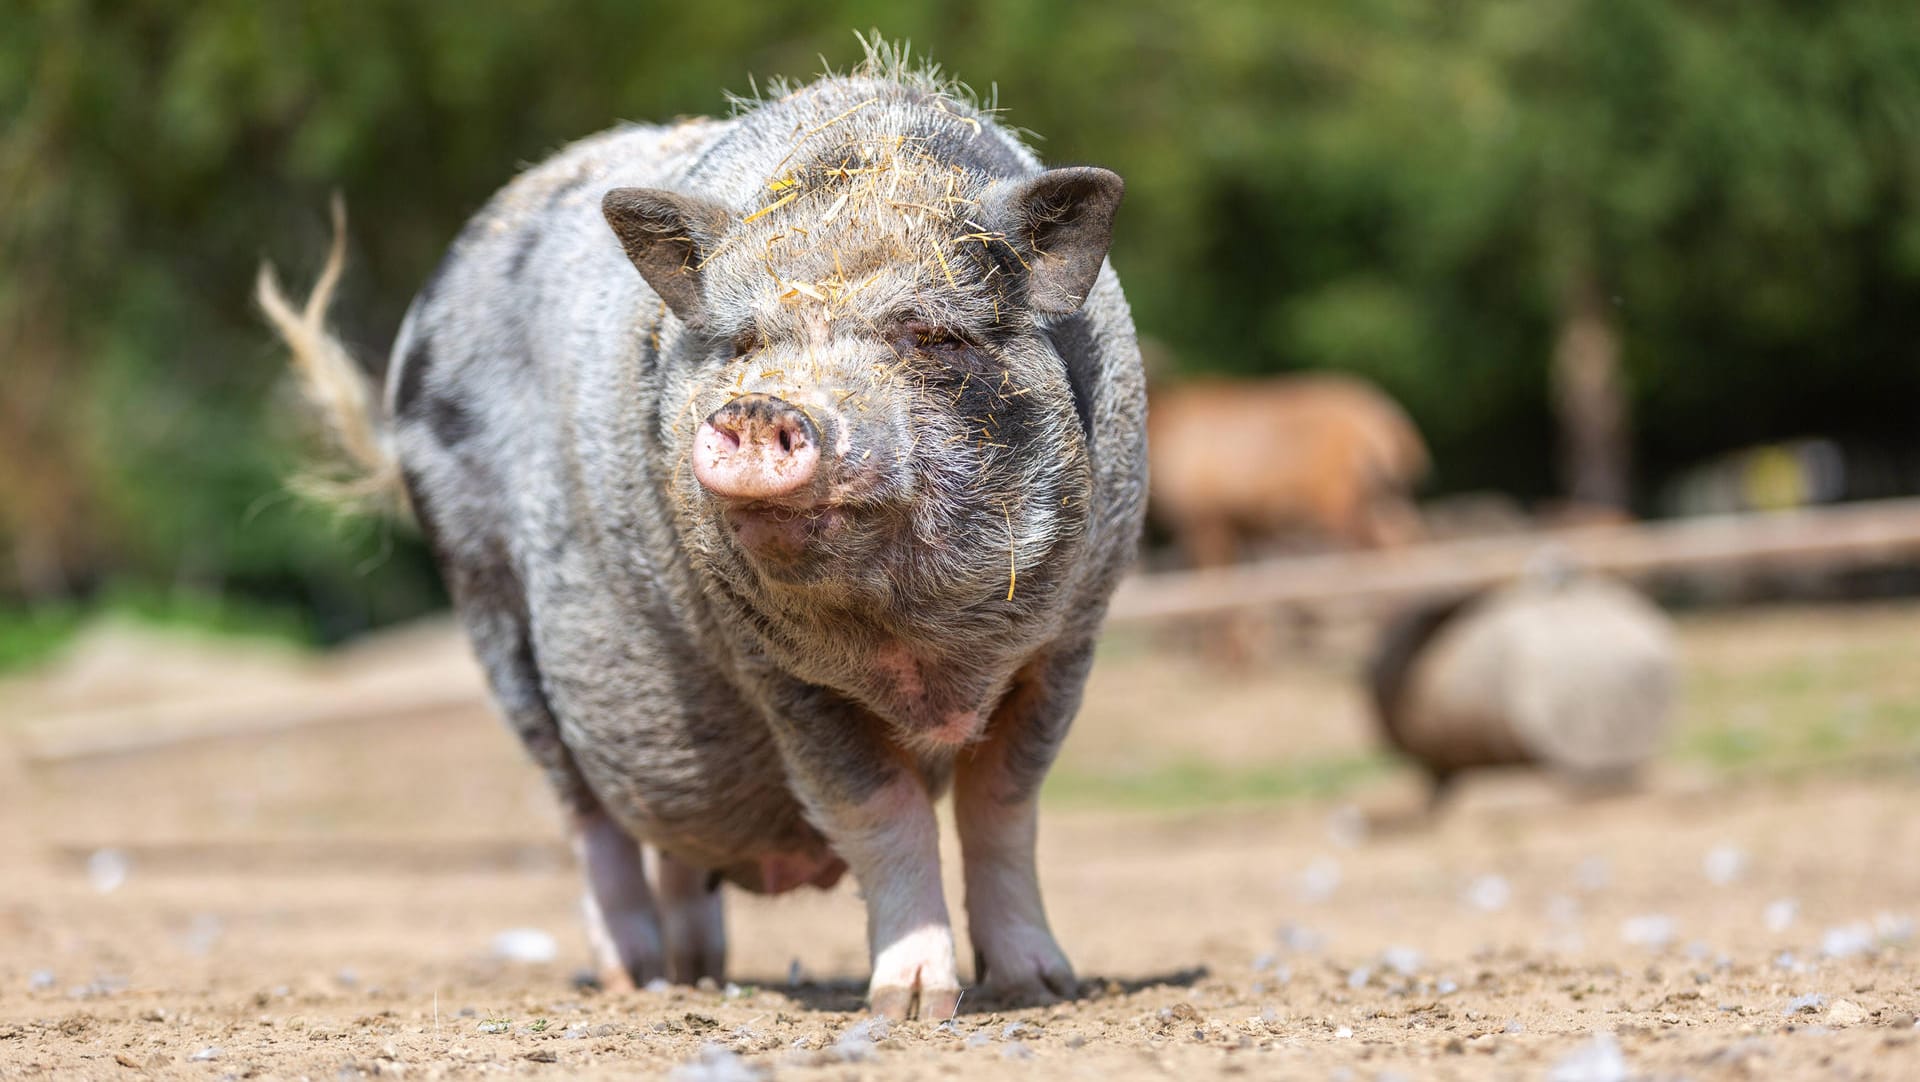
(781, 468)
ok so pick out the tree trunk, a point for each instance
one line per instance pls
(1590, 401)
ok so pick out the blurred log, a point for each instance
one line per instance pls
(1572, 674)
(1810, 538)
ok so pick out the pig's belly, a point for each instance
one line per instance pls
(697, 775)
(674, 752)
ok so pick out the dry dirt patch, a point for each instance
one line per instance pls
(328, 902)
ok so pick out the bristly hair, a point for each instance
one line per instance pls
(883, 59)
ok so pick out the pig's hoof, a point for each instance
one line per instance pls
(1025, 969)
(915, 977)
(615, 979)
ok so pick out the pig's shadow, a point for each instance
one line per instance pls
(849, 996)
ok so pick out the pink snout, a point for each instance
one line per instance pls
(756, 447)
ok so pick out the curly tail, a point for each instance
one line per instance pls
(365, 475)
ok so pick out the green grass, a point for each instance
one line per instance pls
(1832, 711)
(1192, 783)
(31, 635)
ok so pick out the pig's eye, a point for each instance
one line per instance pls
(744, 343)
(927, 338)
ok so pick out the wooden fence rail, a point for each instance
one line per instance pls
(1837, 536)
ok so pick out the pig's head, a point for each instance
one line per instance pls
(877, 423)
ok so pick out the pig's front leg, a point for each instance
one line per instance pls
(996, 786)
(877, 813)
(891, 842)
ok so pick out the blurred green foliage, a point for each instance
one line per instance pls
(1404, 188)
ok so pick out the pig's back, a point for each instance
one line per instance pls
(480, 375)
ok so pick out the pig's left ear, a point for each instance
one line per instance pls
(668, 236)
(1061, 222)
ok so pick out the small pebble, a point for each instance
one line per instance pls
(107, 870)
(1845, 1012)
(1319, 880)
(1806, 1004)
(1599, 1060)
(857, 1042)
(1651, 930)
(1848, 940)
(1489, 893)
(529, 945)
(716, 1064)
(1347, 826)
(1723, 864)
(203, 934)
(205, 1055)
(1405, 961)
(1301, 940)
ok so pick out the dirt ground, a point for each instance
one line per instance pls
(1242, 881)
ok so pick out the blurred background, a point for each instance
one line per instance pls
(1589, 247)
(1488, 294)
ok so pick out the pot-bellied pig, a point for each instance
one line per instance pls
(767, 545)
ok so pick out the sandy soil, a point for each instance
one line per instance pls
(328, 902)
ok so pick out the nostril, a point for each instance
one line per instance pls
(786, 441)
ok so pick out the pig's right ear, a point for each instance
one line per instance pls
(668, 236)
(1063, 219)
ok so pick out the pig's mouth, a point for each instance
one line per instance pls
(780, 533)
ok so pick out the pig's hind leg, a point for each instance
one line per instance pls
(692, 920)
(622, 922)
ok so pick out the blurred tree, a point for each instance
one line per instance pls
(1706, 210)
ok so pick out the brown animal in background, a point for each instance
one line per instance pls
(1234, 461)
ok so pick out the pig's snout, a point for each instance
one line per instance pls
(756, 447)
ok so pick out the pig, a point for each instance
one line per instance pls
(780, 468)
(1325, 455)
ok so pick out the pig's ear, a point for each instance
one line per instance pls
(668, 236)
(1062, 223)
